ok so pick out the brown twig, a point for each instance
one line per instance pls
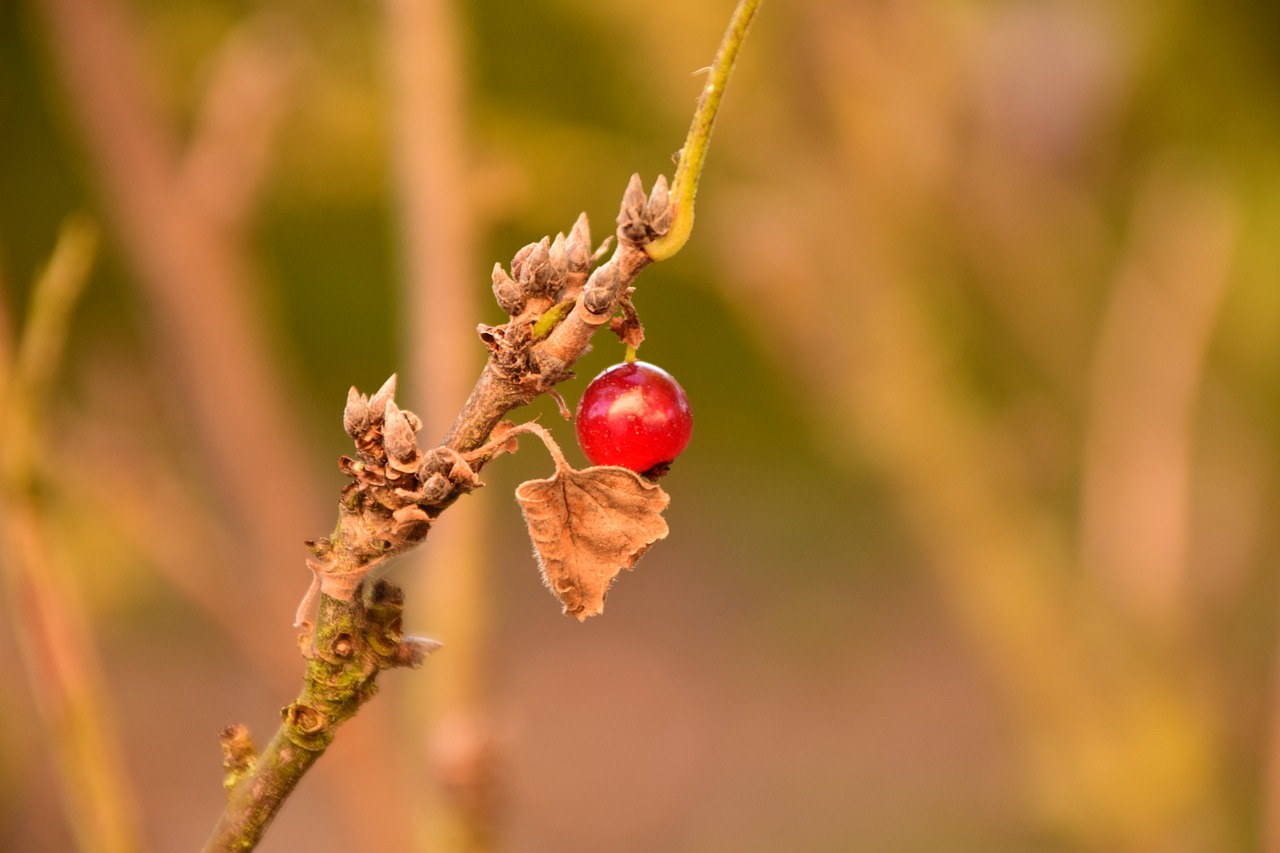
(399, 490)
(556, 304)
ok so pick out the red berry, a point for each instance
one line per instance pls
(634, 415)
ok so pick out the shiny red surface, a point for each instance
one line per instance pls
(634, 415)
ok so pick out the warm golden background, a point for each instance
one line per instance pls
(973, 549)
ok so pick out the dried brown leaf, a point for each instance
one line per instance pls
(627, 325)
(587, 526)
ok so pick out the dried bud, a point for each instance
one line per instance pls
(601, 290)
(397, 436)
(537, 270)
(436, 488)
(559, 261)
(520, 260)
(659, 212)
(378, 402)
(526, 261)
(631, 218)
(436, 460)
(411, 515)
(355, 417)
(491, 335)
(238, 750)
(578, 246)
(385, 594)
(303, 719)
(509, 294)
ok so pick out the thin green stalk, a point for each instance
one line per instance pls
(352, 642)
(40, 347)
(685, 186)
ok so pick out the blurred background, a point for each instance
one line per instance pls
(979, 322)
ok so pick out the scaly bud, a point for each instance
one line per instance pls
(509, 294)
(355, 417)
(525, 264)
(378, 402)
(519, 262)
(631, 218)
(397, 437)
(538, 270)
(601, 290)
(659, 212)
(578, 246)
(436, 488)
(558, 262)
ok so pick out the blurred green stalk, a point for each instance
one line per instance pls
(51, 626)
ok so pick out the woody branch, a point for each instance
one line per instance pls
(556, 302)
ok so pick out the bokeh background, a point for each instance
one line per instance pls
(972, 549)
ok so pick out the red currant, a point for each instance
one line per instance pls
(634, 415)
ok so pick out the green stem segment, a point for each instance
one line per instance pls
(353, 641)
(685, 186)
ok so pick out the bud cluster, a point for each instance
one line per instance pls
(642, 218)
(397, 489)
(556, 300)
(545, 273)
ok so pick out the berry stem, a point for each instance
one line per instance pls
(694, 153)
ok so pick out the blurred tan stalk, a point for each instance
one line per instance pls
(181, 216)
(1121, 741)
(424, 48)
(196, 273)
(45, 610)
(1148, 368)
